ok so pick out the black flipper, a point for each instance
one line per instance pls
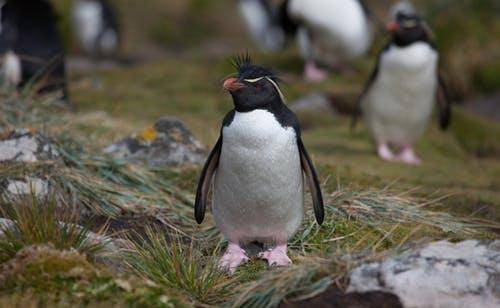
(368, 84)
(286, 22)
(312, 180)
(207, 174)
(444, 104)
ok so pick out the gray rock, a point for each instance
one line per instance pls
(168, 143)
(315, 103)
(25, 146)
(441, 274)
(27, 186)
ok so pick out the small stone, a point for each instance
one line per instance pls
(24, 146)
(316, 102)
(30, 186)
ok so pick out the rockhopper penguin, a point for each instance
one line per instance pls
(258, 165)
(328, 31)
(96, 26)
(31, 46)
(398, 98)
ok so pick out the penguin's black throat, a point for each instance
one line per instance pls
(254, 88)
(408, 29)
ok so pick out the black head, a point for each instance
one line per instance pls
(254, 87)
(408, 29)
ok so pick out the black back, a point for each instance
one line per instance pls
(29, 29)
(110, 17)
(289, 26)
(365, 7)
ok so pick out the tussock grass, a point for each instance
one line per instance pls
(100, 185)
(171, 262)
(38, 222)
(308, 277)
(378, 207)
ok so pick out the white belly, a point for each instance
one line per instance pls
(269, 37)
(11, 69)
(87, 18)
(258, 193)
(400, 101)
(339, 28)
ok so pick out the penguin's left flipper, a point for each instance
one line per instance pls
(312, 180)
(207, 174)
(444, 103)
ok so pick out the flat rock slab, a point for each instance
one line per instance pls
(169, 143)
(441, 274)
(25, 147)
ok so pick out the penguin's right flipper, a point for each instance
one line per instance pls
(367, 86)
(312, 180)
(444, 103)
(207, 174)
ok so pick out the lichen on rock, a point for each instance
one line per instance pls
(168, 143)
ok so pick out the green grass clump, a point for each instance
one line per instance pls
(172, 263)
(309, 277)
(479, 137)
(45, 268)
(55, 278)
(487, 77)
(39, 222)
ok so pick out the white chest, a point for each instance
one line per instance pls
(258, 184)
(87, 16)
(401, 98)
(408, 75)
(256, 145)
(337, 24)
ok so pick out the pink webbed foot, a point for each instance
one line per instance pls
(408, 156)
(276, 256)
(313, 73)
(232, 258)
(385, 152)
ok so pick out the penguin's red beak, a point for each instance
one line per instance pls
(232, 85)
(392, 27)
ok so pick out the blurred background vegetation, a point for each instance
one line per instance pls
(467, 33)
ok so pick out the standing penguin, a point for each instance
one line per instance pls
(258, 162)
(31, 46)
(328, 31)
(399, 96)
(96, 27)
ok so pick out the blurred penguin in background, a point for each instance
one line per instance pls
(31, 48)
(96, 26)
(399, 96)
(329, 32)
